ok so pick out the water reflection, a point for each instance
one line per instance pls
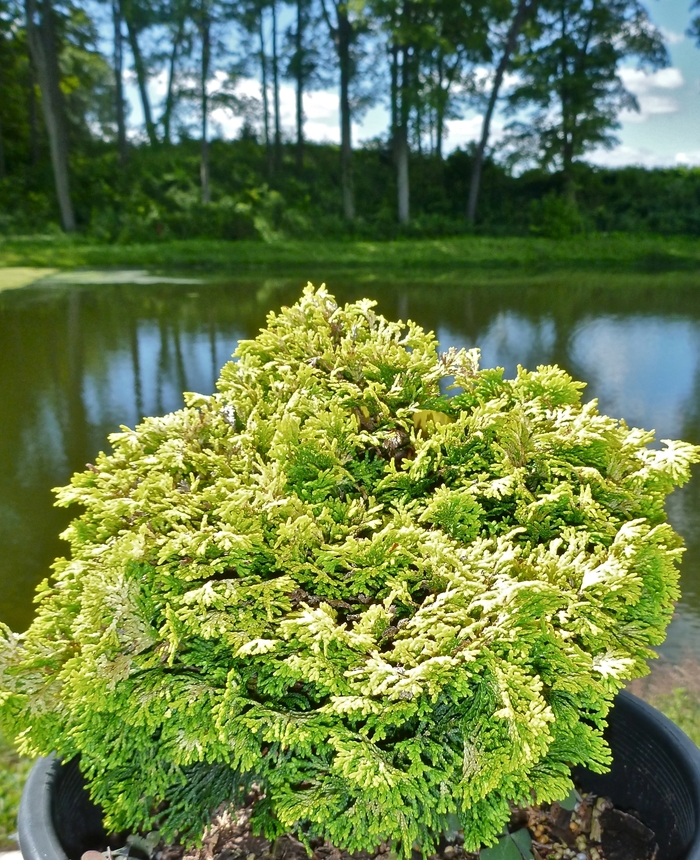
(643, 368)
(78, 361)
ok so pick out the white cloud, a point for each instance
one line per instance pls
(461, 131)
(671, 37)
(484, 75)
(642, 156)
(321, 106)
(646, 86)
(624, 155)
(640, 82)
(688, 159)
(320, 112)
(650, 105)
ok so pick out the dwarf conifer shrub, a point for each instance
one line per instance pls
(385, 606)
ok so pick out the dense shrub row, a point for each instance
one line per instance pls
(157, 195)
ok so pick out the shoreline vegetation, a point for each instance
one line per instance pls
(611, 252)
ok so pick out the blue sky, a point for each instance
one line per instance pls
(666, 131)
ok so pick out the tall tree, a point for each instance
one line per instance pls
(265, 91)
(174, 14)
(433, 46)
(119, 80)
(344, 27)
(251, 16)
(18, 121)
(455, 36)
(215, 79)
(33, 115)
(203, 19)
(3, 166)
(570, 81)
(306, 66)
(522, 12)
(43, 45)
(405, 72)
(405, 21)
(276, 89)
(298, 69)
(406, 25)
(138, 17)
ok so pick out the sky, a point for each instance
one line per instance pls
(665, 132)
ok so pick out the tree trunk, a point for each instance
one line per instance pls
(343, 41)
(402, 181)
(415, 60)
(44, 52)
(394, 92)
(140, 68)
(402, 147)
(170, 91)
(524, 10)
(276, 89)
(119, 81)
(33, 118)
(3, 168)
(440, 107)
(205, 31)
(569, 184)
(299, 46)
(266, 104)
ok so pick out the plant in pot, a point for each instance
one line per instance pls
(392, 611)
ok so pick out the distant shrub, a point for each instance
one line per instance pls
(385, 606)
(555, 217)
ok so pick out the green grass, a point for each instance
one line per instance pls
(13, 773)
(683, 707)
(619, 251)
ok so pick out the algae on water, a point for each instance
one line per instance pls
(384, 605)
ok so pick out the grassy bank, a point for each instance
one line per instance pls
(13, 773)
(608, 252)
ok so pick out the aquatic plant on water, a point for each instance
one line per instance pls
(385, 606)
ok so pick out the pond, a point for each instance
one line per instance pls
(84, 353)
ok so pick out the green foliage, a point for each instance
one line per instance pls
(694, 29)
(385, 606)
(156, 197)
(569, 77)
(556, 217)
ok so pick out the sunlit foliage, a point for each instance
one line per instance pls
(385, 606)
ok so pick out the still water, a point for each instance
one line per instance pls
(79, 359)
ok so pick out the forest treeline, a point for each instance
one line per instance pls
(71, 154)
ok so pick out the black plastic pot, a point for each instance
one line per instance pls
(656, 773)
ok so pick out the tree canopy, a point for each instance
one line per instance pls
(554, 65)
